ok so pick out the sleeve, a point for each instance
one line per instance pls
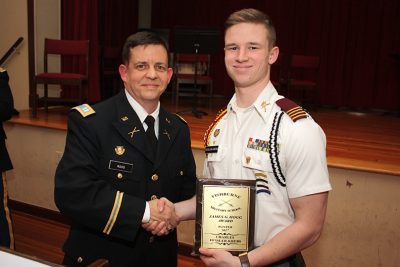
(189, 185)
(82, 192)
(305, 154)
(6, 99)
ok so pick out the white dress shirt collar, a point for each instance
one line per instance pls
(142, 114)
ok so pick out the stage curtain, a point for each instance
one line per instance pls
(355, 40)
(118, 21)
(80, 20)
(103, 23)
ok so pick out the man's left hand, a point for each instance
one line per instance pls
(218, 258)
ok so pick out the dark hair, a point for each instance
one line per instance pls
(141, 38)
(251, 15)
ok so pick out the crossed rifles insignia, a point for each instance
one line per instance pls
(223, 202)
(133, 132)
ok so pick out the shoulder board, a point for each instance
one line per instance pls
(84, 109)
(294, 111)
(181, 118)
(220, 114)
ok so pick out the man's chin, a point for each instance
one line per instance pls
(151, 96)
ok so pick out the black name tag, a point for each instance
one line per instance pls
(211, 149)
(120, 166)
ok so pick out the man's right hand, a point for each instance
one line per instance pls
(162, 217)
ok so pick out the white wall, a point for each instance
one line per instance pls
(14, 24)
(47, 25)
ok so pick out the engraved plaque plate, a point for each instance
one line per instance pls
(225, 214)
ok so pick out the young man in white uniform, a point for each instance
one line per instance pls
(265, 137)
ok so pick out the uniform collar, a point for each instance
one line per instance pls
(263, 103)
(142, 114)
(131, 128)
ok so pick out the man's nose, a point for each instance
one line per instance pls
(242, 54)
(151, 73)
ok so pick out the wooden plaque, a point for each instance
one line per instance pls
(225, 214)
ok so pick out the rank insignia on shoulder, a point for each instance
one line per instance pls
(294, 111)
(85, 110)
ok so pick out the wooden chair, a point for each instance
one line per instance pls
(74, 50)
(193, 70)
(303, 79)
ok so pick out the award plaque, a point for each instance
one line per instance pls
(225, 214)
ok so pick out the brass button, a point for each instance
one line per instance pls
(79, 259)
(153, 197)
(119, 175)
(154, 177)
(181, 172)
(151, 239)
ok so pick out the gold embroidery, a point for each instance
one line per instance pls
(114, 213)
(133, 132)
(167, 134)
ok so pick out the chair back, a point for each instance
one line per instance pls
(66, 47)
(306, 62)
(278, 75)
(74, 56)
(304, 67)
(303, 80)
(79, 48)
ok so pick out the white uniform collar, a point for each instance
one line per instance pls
(142, 114)
(263, 102)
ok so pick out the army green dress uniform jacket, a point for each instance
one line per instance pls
(107, 174)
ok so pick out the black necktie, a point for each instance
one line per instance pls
(150, 133)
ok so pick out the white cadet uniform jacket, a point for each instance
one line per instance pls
(238, 147)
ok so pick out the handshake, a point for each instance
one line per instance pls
(163, 217)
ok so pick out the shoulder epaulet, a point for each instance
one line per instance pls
(294, 111)
(181, 118)
(84, 109)
(220, 114)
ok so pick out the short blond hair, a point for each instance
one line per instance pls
(251, 15)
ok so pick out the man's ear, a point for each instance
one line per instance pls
(273, 55)
(170, 73)
(122, 72)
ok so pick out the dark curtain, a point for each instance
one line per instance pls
(80, 21)
(103, 23)
(356, 41)
(118, 21)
